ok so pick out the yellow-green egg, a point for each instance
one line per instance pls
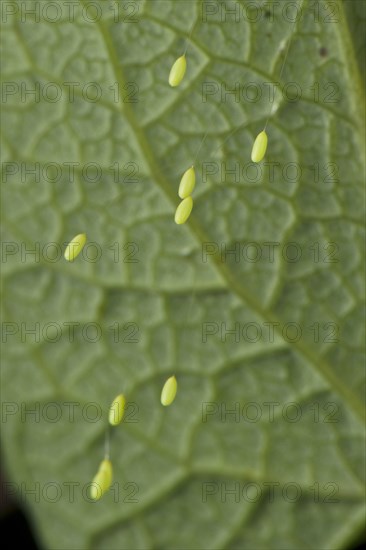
(169, 391)
(102, 480)
(259, 147)
(187, 183)
(96, 486)
(178, 71)
(183, 211)
(117, 409)
(74, 247)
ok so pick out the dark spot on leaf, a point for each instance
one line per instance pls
(323, 52)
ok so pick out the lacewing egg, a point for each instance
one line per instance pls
(259, 147)
(74, 247)
(102, 480)
(169, 391)
(183, 211)
(178, 71)
(96, 487)
(187, 183)
(117, 409)
(105, 469)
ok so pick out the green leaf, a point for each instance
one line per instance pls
(291, 448)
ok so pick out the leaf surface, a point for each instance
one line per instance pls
(297, 423)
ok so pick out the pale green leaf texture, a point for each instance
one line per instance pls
(170, 453)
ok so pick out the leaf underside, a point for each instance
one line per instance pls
(170, 454)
